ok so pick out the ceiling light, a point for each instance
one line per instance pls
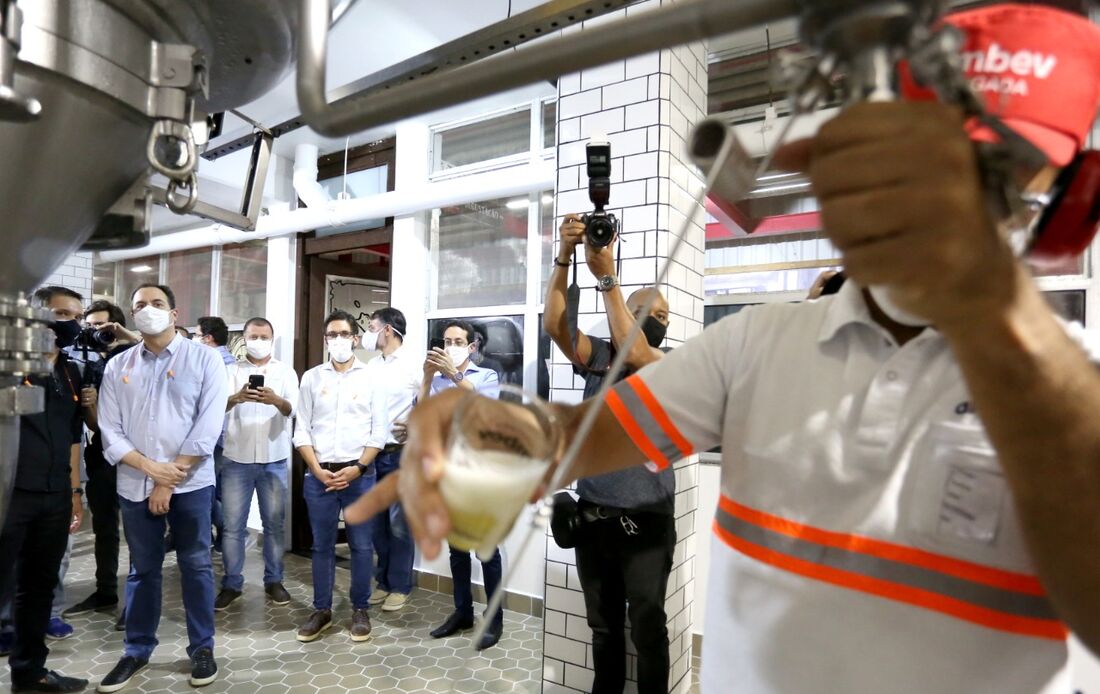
(141, 268)
(517, 204)
(547, 199)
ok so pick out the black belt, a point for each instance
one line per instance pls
(335, 467)
(594, 512)
(393, 448)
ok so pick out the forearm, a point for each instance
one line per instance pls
(310, 458)
(606, 448)
(1038, 397)
(284, 407)
(136, 460)
(74, 466)
(369, 454)
(554, 318)
(91, 417)
(188, 461)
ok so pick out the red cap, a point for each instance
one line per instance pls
(1037, 68)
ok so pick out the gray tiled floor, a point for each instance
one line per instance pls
(256, 649)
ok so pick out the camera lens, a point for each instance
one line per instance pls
(600, 231)
(104, 337)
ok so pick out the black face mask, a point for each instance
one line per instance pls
(66, 332)
(654, 331)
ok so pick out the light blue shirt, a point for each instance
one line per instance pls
(485, 381)
(163, 405)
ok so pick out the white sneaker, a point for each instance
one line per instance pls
(378, 597)
(394, 602)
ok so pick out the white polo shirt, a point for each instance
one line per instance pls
(865, 539)
(396, 380)
(334, 412)
(258, 433)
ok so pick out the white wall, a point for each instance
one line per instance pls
(75, 273)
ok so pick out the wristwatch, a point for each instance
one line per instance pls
(362, 468)
(78, 490)
(606, 283)
(458, 376)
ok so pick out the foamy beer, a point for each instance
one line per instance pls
(498, 453)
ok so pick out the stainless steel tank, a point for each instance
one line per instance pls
(93, 95)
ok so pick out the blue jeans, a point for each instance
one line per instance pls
(239, 481)
(324, 517)
(461, 572)
(393, 543)
(188, 518)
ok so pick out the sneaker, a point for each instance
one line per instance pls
(317, 624)
(120, 623)
(7, 639)
(52, 682)
(360, 625)
(277, 594)
(121, 674)
(394, 602)
(203, 668)
(58, 629)
(93, 603)
(378, 597)
(225, 599)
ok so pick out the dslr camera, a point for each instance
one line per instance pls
(600, 227)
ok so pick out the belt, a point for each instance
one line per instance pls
(393, 448)
(334, 467)
(593, 512)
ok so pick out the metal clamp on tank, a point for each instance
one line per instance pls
(13, 107)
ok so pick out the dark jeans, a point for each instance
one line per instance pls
(393, 543)
(102, 492)
(217, 518)
(616, 569)
(35, 535)
(461, 571)
(324, 519)
(188, 518)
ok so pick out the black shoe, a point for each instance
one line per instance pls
(52, 682)
(120, 676)
(277, 594)
(120, 623)
(93, 603)
(225, 599)
(203, 668)
(490, 637)
(454, 624)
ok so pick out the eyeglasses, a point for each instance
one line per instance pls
(448, 342)
(346, 334)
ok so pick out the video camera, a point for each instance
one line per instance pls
(600, 227)
(87, 353)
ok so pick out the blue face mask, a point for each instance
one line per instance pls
(66, 332)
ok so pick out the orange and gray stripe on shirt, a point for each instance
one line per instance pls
(646, 422)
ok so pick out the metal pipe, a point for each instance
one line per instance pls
(687, 21)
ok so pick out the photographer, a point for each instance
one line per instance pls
(628, 531)
(104, 337)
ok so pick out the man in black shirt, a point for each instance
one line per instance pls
(45, 505)
(629, 535)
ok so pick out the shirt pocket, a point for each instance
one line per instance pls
(184, 392)
(956, 501)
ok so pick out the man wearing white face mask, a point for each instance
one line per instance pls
(161, 407)
(333, 435)
(257, 446)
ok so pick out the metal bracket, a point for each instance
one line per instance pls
(21, 400)
(13, 107)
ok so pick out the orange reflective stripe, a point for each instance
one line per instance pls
(634, 431)
(1025, 626)
(997, 578)
(659, 415)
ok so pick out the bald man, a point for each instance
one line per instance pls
(624, 555)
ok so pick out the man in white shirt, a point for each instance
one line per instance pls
(257, 446)
(395, 375)
(335, 415)
(904, 508)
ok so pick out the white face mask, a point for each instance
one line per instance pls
(370, 341)
(258, 349)
(458, 354)
(197, 339)
(339, 349)
(152, 320)
(881, 295)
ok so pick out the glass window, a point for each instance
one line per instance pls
(546, 236)
(242, 282)
(189, 279)
(499, 344)
(103, 282)
(480, 252)
(134, 273)
(484, 140)
(549, 123)
(359, 184)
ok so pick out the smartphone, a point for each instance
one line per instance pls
(255, 381)
(437, 343)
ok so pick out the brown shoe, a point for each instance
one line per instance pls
(360, 625)
(317, 624)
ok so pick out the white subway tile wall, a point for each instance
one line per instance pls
(75, 273)
(645, 106)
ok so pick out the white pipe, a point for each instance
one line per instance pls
(517, 180)
(305, 177)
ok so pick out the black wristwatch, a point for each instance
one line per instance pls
(78, 490)
(362, 468)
